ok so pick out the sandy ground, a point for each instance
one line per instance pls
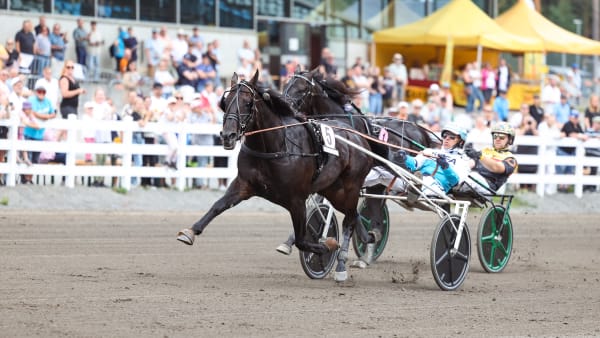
(117, 271)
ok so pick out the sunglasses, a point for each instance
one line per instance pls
(449, 136)
(40, 91)
(69, 67)
(178, 98)
(499, 136)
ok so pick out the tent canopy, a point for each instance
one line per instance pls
(465, 23)
(526, 21)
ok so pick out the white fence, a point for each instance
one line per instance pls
(75, 148)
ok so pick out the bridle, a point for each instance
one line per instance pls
(300, 102)
(242, 119)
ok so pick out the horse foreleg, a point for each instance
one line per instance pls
(237, 192)
(297, 211)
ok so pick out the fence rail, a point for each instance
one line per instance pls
(74, 148)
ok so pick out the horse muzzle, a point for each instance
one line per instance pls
(229, 140)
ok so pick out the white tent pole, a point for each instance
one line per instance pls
(479, 55)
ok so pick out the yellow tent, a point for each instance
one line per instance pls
(525, 21)
(465, 23)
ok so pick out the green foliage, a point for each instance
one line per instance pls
(120, 190)
(4, 201)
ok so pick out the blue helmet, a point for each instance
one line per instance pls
(456, 130)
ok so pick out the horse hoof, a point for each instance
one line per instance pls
(340, 276)
(332, 244)
(284, 248)
(186, 236)
(359, 264)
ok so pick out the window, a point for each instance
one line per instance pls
(273, 8)
(198, 12)
(74, 7)
(312, 10)
(3, 4)
(157, 10)
(40, 6)
(117, 9)
(236, 13)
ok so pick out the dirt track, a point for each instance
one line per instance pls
(122, 275)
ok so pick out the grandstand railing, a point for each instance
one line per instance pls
(75, 148)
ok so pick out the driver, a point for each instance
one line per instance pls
(441, 168)
(492, 166)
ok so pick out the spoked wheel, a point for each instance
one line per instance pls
(314, 265)
(367, 220)
(450, 267)
(494, 239)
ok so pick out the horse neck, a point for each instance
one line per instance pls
(321, 105)
(268, 137)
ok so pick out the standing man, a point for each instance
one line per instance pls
(81, 38)
(95, 42)
(399, 73)
(25, 39)
(153, 49)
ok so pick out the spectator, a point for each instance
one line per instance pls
(102, 111)
(570, 89)
(488, 82)
(176, 112)
(195, 37)
(550, 94)
(362, 83)
(213, 55)
(4, 115)
(246, 53)
(134, 108)
(80, 36)
(501, 106)
(69, 90)
(572, 129)
(575, 73)
(4, 89)
(446, 98)
(592, 111)
(155, 106)
(95, 42)
(207, 74)
(58, 45)
(503, 78)
(132, 79)
(118, 51)
(478, 137)
(43, 50)
(327, 63)
(88, 134)
(187, 75)
(476, 93)
(593, 133)
(202, 113)
(415, 116)
(432, 114)
(389, 87)
(347, 79)
(399, 73)
(490, 117)
(376, 91)
(42, 110)
(25, 39)
(163, 76)
(34, 132)
(154, 50)
(536, 110)
(561, 110)
(528, 127)
(517, 118)
(124, 61)
(180, 48)
(51, 85)
(549, 129)
(131, 43)
(12, 55)
(468, 87)
(41, 24)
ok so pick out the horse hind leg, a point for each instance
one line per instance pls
(298, 214)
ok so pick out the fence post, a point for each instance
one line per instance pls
(12, 153)
(541, 186)
(579, 158)
(181, 158)
(126, 143)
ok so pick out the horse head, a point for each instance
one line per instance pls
(239, 106)
(303, 88)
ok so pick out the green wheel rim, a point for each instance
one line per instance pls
(495, 239)
(360, 247)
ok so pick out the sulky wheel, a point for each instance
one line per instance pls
(367, 220)
(314, 265)
(450, 268)
(494, 239)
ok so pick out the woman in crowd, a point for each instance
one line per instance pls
(69, 90)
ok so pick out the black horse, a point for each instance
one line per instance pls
(320, 96)
(282, 160)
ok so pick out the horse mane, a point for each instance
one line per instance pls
(337, 90)
(276, 102)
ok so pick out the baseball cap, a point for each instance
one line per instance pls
(393, 111)
(88, 104)
(26, 105)
(157, 85)
(402, 104)
(15, 80)
(434, 87)
(574, 113)
(171, 99)
(40, 87)
(190, 57)
(397, 56)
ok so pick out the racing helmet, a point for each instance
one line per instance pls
(506, 129)
(456, 130)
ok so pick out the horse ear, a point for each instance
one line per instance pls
(315, 71)
(234, 79)
(255, 78)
